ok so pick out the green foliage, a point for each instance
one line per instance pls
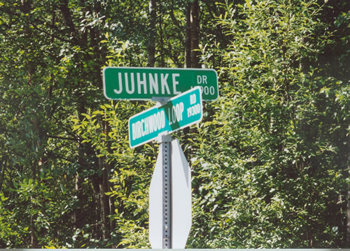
(270, 161)
(106, 130)
(272, 174)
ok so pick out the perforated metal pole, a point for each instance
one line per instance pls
(165, 141)
(167, 196)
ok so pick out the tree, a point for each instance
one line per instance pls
(192, 34)
(152, 33)
(270, 158)
(272, 173)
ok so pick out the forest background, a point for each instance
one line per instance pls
(270, 160)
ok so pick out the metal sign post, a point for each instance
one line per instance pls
(167, 193)
(179, 94)
(165, 146)
(170, 203)
(170, 190)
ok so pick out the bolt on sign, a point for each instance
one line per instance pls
(139, 83)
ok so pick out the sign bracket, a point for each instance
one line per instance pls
(160, 100)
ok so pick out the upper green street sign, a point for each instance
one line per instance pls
(179, 112)
(140, 83)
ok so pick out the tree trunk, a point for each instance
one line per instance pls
(111, 211)
(2, 168)
(151, 48)
(347, 244)
(78, 214)
(192, 35)
(195, 34)
(33, 238)
(192, 49)
(188, 37)
(104, 201)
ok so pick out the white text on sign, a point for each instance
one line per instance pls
(202, 81)
(175, 113)
(153, 123)
(193, 110)
(140, 84)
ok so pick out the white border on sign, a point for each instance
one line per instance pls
(166, 132)
(156, 68)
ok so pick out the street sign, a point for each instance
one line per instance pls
(181, 92)
(181, 202)
(136, 83)
(179, 112)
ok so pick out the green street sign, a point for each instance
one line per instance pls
(179, 112)
(148, 83)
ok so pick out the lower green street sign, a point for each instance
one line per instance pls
(142, 83)
(179, 112)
